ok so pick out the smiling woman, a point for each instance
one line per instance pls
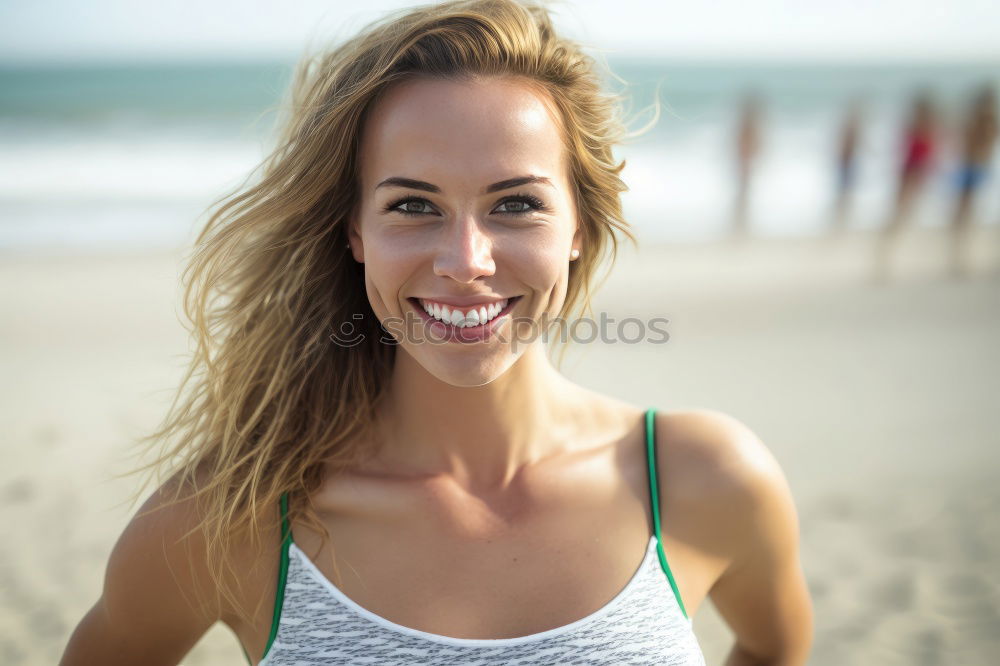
(375, 467)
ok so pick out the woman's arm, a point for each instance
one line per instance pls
(148, 612)
(762, 593)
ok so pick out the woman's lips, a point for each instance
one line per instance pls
(447, 332)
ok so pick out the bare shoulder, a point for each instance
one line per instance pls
(171, 523)
(736, 504)
(152, 608)
(161, 592)
(714, 455)
(719, 471)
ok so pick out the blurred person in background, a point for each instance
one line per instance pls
(919, 142)
(978, 135)
(747, 149)
(847, 149)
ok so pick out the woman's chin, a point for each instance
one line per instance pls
(464, 370)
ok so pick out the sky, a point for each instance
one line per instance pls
(834, 30)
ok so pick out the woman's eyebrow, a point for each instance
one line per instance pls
(397, 181)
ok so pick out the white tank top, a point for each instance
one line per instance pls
(315, 624)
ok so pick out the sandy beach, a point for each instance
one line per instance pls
(879, 400)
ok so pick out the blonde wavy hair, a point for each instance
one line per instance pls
(269, 403)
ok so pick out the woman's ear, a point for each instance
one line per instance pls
(354, 242)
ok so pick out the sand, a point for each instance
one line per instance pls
(880, 401)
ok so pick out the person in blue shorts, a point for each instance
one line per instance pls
(978, 137)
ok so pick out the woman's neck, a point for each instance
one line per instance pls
(481, 435)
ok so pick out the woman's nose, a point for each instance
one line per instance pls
(464, 252)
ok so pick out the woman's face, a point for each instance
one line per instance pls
(465, 203)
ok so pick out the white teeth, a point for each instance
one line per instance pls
(459, 319)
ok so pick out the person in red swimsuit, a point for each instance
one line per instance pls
(919, 141)
(920, 147)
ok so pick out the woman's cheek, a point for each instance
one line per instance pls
(387, 275)
(546, 265)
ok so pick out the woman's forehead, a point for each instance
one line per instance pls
(477, 127)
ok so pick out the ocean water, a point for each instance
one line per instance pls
(129, 156)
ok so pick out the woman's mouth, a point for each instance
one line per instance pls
(462, 324)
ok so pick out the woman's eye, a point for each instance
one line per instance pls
(413, 202)
(516, 203)
(522, 204)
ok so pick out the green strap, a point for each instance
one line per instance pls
(655, 501)
(279, 596)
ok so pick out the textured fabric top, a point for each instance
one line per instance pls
(320, 625)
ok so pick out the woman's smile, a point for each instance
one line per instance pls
(464, 325)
